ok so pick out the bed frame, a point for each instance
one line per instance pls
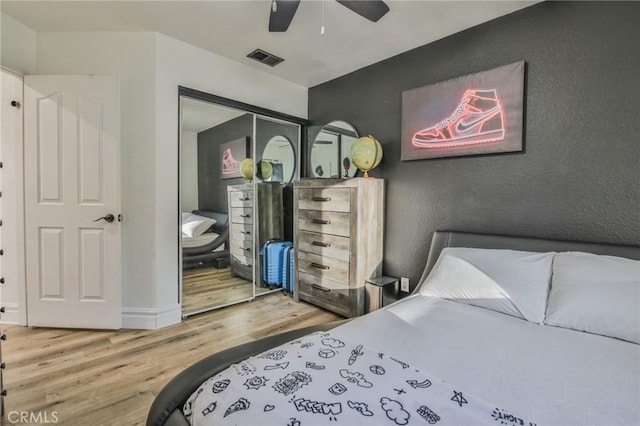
(196, 256)
(166, 408)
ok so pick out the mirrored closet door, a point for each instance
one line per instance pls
(236, 171)
(277, 155)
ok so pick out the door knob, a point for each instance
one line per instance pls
(109, 218)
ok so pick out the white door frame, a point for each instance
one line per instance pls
(14, 291)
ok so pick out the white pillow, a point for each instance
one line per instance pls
(596, 294)
(508, 281)
(195, 225)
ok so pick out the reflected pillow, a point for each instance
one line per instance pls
(508, 281)
(195, 225)
(596, 294)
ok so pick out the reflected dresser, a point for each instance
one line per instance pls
(338, 238)
(264, 222)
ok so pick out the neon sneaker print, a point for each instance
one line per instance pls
(229, 164)
(477, 119)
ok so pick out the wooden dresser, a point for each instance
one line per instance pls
(338, 237)
(243, 223)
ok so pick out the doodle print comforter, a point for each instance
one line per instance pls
(323, 380)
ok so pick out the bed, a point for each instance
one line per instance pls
(205, 238)
(559, 346)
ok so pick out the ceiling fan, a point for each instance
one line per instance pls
(282, 11)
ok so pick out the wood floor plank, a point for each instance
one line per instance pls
(97, 377)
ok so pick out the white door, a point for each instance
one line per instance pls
(72, 148)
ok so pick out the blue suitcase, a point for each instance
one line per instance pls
(288, 256)
(271, 256)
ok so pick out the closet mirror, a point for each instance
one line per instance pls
(225, 218)
(213, 141)
(330, 151)
(276, 144)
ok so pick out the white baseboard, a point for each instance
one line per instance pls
(151, 319)
(11, 314)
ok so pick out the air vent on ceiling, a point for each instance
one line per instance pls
(265, 57)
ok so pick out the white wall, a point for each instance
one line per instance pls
(130, 56)
(17, 46)
(149, 67)
(179, 63)
(189, 170)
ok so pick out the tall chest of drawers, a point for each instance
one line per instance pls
(338, 236)
(250, 227)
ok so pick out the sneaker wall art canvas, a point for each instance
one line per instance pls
(479, 113)
(231, 154)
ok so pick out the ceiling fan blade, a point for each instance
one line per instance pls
(280, 19)
(373, 10)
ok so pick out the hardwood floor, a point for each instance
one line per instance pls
(206, 287)
(91, 377)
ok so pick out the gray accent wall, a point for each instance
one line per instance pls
(212, 190)
(577, 178)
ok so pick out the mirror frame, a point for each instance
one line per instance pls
(284, 182)
(309, 168)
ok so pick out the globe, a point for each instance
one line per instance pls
(366, 153)
(265, 169)
(246, 168)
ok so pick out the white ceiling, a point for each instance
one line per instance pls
(234, 28)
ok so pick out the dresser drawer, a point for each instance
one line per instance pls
(244, 229)
(324, 245)
(324, 267)
(324, 222)
(328, 199)
(240, 240)
(324, 292)
(241, 215)
(244, 260)
(241, 198)
(242, 252)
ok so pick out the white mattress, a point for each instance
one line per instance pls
(553, 376)
(201, 240)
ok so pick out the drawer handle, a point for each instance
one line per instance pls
(246, 248)
(319, 265)
(245, 199)
(245, 215)
(245, 232)
(320, 244)
(321, 222)
(322, 199)
(319, 287)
